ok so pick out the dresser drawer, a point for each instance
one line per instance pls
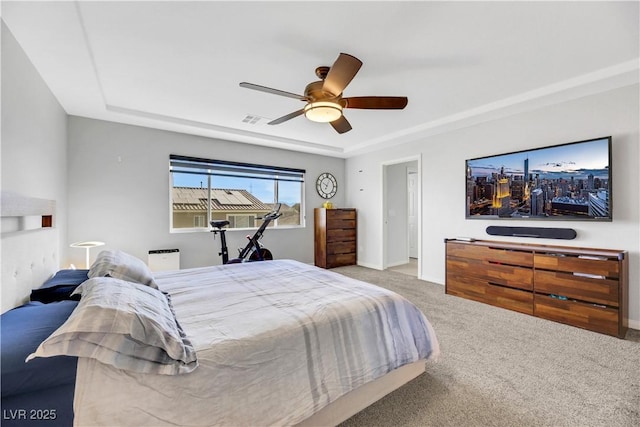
(333, 224)
(337, 260)
(493, 273)
(574, 264)
(347, 247)
(482, 291)
(341, 214)
(488, 253)
(599, 291)
(583, 315)
(341, 235)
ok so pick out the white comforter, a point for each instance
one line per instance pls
(276, 342)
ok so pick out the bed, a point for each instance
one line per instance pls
(267, 343)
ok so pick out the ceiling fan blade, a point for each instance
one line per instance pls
(287, 117)
(377, 102)
(341, 73)
(341, 125)
(273, 91)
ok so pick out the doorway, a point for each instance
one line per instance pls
(402, 216)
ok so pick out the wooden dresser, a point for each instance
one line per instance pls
(587, 288)
(335, 237)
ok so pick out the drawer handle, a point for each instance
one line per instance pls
(589, 276)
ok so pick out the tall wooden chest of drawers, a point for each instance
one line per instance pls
(582, 287)
(335, 237)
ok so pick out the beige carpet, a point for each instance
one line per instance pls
(411, 268)
(501, 368)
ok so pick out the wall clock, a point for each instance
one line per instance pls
(326, 185)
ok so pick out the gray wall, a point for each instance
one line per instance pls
(119, 191)
(34, 132)
(613, 113)
(34, 146)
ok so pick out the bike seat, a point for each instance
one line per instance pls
(219, 224)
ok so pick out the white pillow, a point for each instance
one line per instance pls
(121, 265)
(126, 325)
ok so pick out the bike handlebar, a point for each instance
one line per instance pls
(275, 213)
(272, 215)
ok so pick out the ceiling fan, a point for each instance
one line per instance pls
(324, 99)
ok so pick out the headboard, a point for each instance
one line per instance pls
(29, 246)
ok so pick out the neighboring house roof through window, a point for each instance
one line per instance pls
(193, 198)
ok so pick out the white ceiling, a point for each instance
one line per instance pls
(176, 65)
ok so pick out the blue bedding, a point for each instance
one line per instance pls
(38, 393)
(60, 286)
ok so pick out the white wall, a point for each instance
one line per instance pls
(613, 113)
(119, 191)
(34, 160)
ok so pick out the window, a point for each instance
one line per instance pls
(238, 192)
(241, 221)
(198, 221)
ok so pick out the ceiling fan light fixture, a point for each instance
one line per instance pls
(323, 111)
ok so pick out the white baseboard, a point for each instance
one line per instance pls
(374, 266)
(431, 279)
(634, 324)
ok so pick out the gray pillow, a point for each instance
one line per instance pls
(121, 265)
(126, 325)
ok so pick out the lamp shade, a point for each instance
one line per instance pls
(87, 246)
(323, 111)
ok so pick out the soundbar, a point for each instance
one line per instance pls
(537, 232)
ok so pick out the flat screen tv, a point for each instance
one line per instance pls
(562, 182)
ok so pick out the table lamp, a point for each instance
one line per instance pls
(87, 246)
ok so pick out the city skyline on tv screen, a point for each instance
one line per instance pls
(569, 181)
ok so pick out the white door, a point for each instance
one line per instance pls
(412, 197)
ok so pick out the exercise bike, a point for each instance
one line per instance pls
(254, 251)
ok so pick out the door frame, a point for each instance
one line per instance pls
(412, 171)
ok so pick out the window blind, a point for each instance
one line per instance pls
(199, 166)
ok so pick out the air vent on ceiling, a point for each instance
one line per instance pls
(251, 119)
